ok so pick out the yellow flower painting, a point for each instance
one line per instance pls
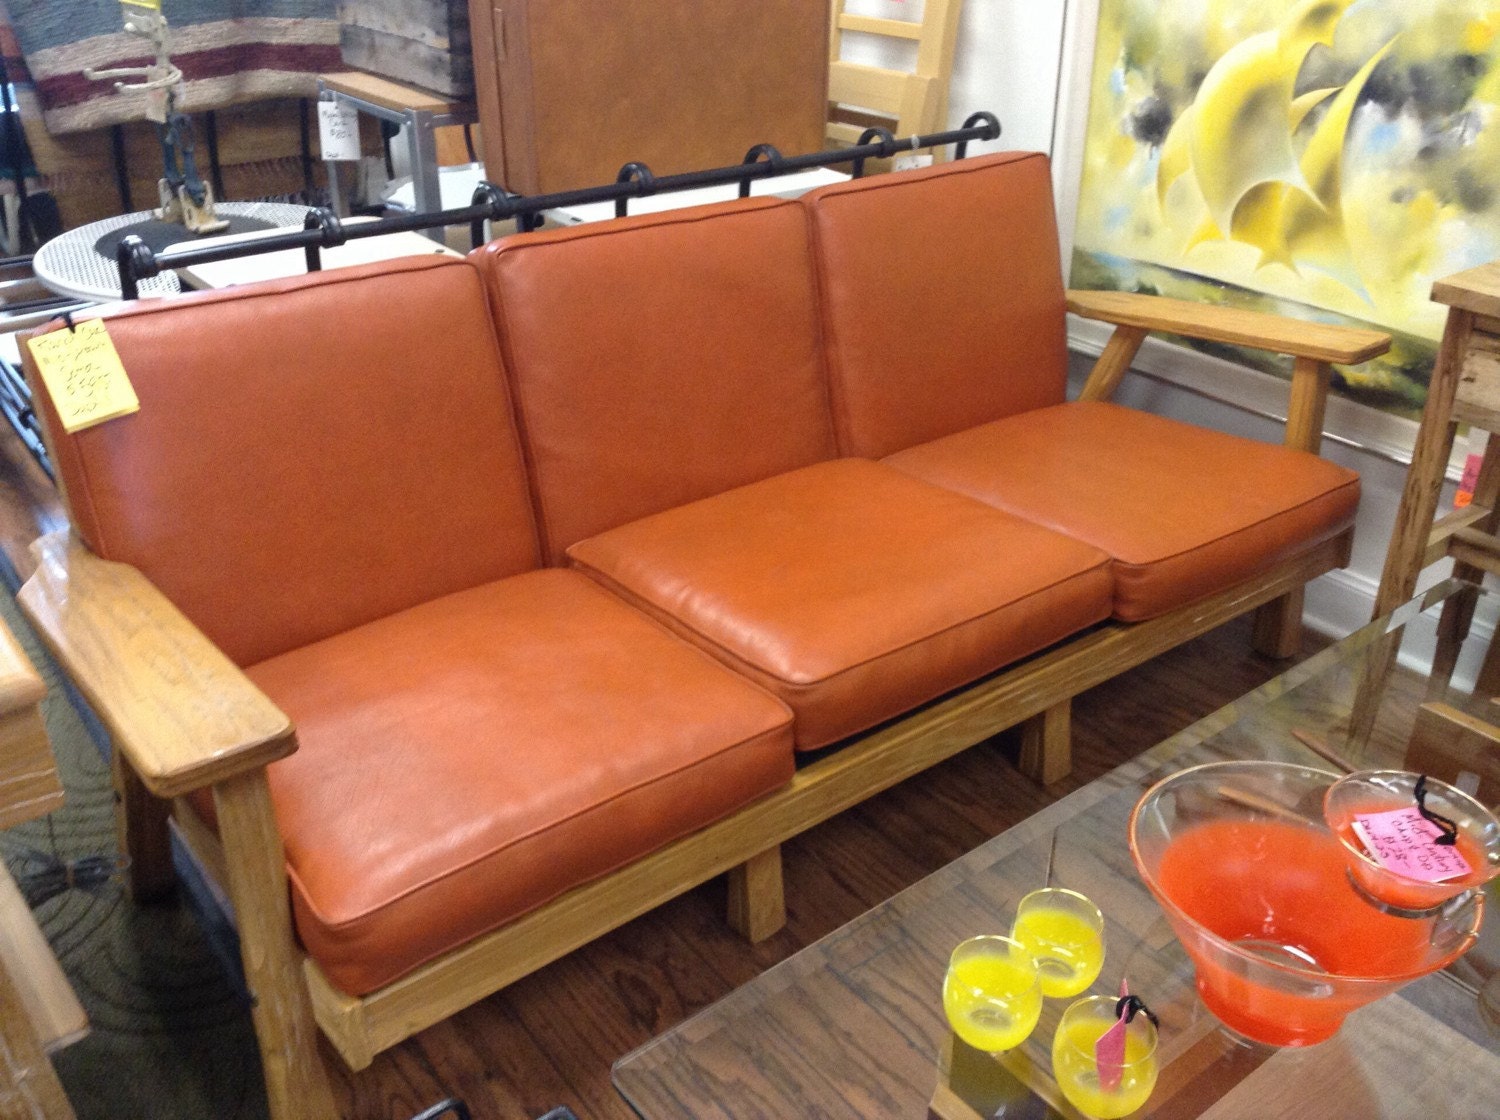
(1327, 159)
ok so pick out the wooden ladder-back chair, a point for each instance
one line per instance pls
(910, 102)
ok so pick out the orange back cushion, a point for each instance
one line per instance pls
(943, 299)
(309, 455)
(660, 359)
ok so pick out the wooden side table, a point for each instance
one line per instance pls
(1465, 388)
(38, 1011)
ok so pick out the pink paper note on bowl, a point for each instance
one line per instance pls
(1403, 841)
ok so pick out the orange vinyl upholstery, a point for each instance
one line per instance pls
(436, 797)
(288, 449)
(660, 359)
(326, 478)
(1183, 511)
(556, 555)
(942, 297)
(851, 591)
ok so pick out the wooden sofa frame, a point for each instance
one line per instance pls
(183, 716)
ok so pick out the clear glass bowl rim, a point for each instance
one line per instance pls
(1229, 947)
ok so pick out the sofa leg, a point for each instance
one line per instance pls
(757, 904)
(1278, 626)
(1047, 744)
(141, 823)
(297, 1085)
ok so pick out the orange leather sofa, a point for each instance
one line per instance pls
(462, 610)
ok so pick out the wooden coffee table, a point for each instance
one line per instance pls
(853, 1025)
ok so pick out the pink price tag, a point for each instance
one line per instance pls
(1402, 840)
(1109, 1056)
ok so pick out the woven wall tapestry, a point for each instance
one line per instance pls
(1325, 158)
(230, 51)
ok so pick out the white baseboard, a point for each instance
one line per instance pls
(1339, 602)
(1342, 601)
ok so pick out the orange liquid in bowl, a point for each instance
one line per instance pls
(1279, 892)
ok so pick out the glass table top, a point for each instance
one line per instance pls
(853, 1025)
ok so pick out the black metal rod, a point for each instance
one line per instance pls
(136, 261)
(639, 174)
(313, 253)
(773, 160)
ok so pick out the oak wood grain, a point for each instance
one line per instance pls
(389, 94)
(180, 711)
(1476, 290)
(1324, 342)
(46, 999)
(297, 1085)
(29, 786)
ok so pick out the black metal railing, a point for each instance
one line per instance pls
(323, 229)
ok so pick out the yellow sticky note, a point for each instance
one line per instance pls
(84, 375)
(154, 5)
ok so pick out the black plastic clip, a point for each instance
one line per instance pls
(869, 136)
(974, 120)
(639, 174)
(1129, 1006)
(1447, 826)
(753, 156)
(67, 317)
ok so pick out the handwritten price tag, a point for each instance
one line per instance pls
(1403, 841)
(83, 375)
(338, 130)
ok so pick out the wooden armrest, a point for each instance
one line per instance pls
(1322, 342)
(1313, 346)
(180, 712)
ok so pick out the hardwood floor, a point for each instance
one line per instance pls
(551, 1038)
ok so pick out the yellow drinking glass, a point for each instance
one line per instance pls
(1065, 933)
(1077, 1072)
(992, 994)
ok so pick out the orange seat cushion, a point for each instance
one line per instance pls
(466, 760)
(1183, 511)
(852, 591)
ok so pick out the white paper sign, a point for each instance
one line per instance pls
(338, 130)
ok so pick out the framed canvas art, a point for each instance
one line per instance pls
(1324, 158)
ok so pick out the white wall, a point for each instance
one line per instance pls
(1006, 61)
